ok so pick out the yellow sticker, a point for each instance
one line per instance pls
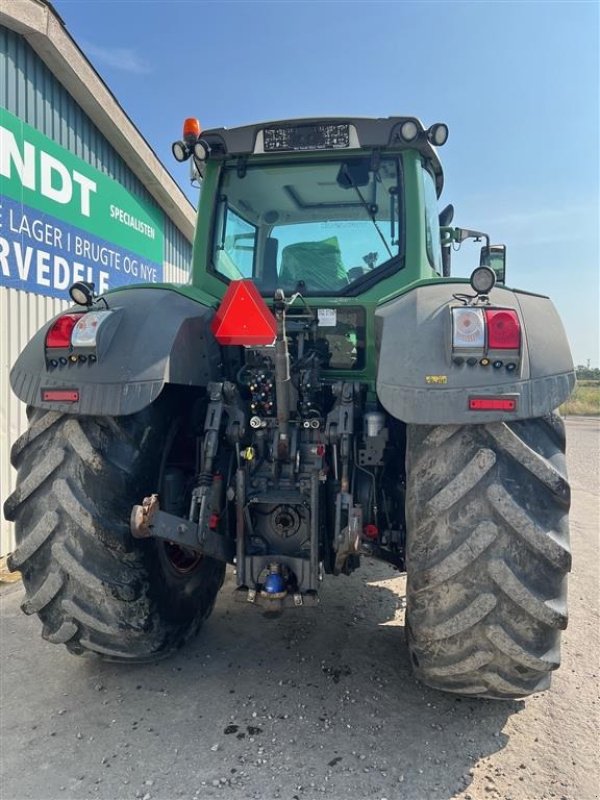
(437, 379)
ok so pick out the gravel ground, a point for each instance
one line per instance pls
(316, 703)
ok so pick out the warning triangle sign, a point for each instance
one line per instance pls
(243, 318)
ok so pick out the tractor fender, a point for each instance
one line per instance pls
(152, 337)
(418, 382)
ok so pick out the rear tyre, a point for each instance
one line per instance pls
(487, 555)
(94, 587)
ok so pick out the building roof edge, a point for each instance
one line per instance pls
(45, 31)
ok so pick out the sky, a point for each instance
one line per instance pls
(518, 84)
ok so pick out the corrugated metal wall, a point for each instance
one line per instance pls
(29, 90)
(177, 256)
(21, 314)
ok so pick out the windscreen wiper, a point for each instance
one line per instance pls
(371, 210)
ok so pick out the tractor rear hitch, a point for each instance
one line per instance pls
(149, 522)
(270, 603)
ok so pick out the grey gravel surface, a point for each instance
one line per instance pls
(317, 703)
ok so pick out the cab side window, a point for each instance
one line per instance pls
(234, 256)
(432, 222)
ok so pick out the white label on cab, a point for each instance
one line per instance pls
(327, 317)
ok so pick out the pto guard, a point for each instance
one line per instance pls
(153, 337)
(417, 381)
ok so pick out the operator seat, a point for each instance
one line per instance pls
(317, 264)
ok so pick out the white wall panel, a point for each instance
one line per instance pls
(21, 315)
(174, 274)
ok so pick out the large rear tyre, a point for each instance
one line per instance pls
(94, 587)
(487, 555)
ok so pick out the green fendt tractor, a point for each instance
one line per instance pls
(322, 390)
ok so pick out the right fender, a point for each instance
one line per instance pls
(418, 383)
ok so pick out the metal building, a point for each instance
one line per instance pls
(82, 195)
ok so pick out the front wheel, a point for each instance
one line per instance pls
(487, 555)
(94, 587)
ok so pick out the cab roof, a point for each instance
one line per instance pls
(323, 134)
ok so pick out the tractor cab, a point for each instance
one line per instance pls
(321, 208)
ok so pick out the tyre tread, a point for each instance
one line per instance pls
(92, 585)
(487, 555)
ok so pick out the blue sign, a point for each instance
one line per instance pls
(44, 255)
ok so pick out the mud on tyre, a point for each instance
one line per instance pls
(94, 587)
(487, 555)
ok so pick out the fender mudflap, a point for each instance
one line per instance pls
(418, 382)
(155, 336)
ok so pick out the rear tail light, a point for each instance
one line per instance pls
(86, 329)
(485, 329)
(468, 328)
(504, 329)
(59, 333)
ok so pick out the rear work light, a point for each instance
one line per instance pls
(503, 329)
(59, 333)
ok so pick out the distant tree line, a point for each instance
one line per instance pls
(587, 373)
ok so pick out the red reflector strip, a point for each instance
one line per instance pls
(60, 395)
(492, 404)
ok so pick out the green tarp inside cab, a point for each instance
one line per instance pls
(318, 264)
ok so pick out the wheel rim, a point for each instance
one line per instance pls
(183, 560)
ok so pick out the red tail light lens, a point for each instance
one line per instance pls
(503, 328)
(59, 333)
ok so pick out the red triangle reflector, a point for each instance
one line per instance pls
(243, 317)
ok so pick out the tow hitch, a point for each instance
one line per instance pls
(148, 521)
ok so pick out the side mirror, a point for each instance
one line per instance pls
(494, 256)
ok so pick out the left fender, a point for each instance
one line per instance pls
(154, 336)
